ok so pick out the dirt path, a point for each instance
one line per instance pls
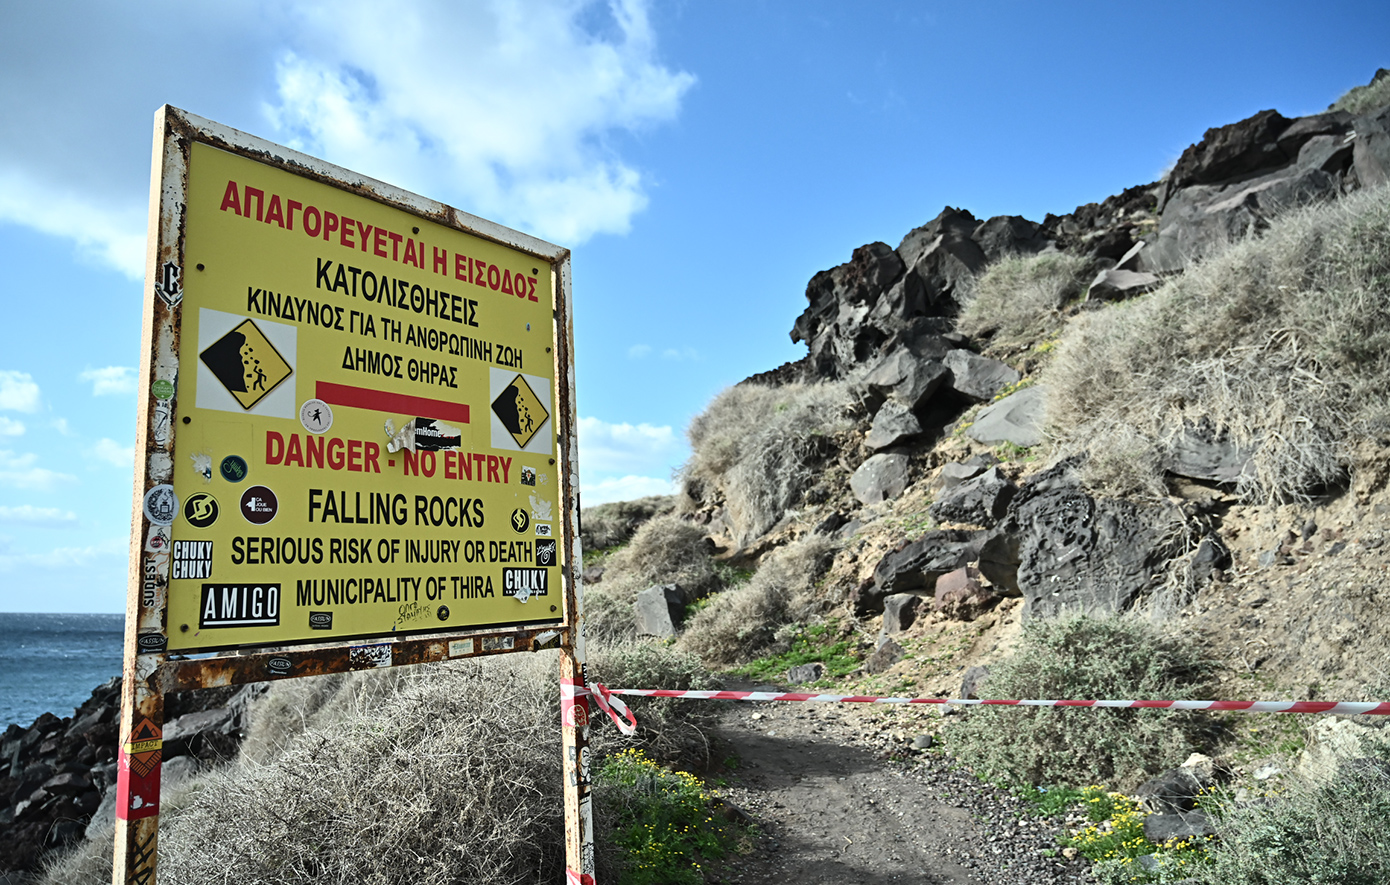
(834, 808)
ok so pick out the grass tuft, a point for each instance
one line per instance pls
(1019, 299)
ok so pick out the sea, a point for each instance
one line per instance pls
(49, 663)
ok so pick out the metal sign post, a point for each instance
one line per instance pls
(355, 447)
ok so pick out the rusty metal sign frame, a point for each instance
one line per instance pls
(149, 670)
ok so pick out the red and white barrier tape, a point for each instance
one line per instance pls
(574, 708)
(1368, 708)
(573, 878)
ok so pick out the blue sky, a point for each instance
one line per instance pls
(702, 159)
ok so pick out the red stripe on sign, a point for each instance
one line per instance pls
(396, 403)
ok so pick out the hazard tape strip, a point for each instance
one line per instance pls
(1350, 708)
(573, 878)
(574, 710)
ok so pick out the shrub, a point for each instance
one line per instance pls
(1019, 299)
(741, 622)
(1281, 343)
(425, 774)
(760, 449)
(1360, 99)
(1080, 658)
(670, 729)
(1328, 832)
(665, 821)
(608, 525)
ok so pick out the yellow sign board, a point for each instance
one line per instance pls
(365, 442)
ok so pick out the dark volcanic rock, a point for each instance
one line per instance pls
(1118, 285)
(1233, 150)
(880, 478)
(894, 424)
(978, 378)
(1017, 418)
(982, 500)
(916, 566)
(1200, 451)
(1005, 235)
(899, 612)
(905, 377)
(960, 595)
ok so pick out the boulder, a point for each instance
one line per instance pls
(1371, 157)
(978, 378)
(880, 478)
(1118, 285)
(1333, 743)
(971, 682)
(1175, 790)
(903, 376)
(957, 472)
(961, 597)
(981, 501)
(1017, 419)
(1159, 828)
(1076, 553)
(1005, 235)
(917, 565)
(899, 613)
(1200, 451)
(805, 673)
(660, 610)
(893, 425)
(883, 657)
(1233, 150)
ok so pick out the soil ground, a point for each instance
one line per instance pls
(839, 796)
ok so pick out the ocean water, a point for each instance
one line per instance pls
(51, 663)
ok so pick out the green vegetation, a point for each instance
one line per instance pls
(1084, 657)
(1281, 343)
(1020, 299)
(1315, 832)
(665, 821)
(607, 525)
(759, 449)
(809, 645)
(1115, 842)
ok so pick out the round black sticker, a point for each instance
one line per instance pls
(234, 468)
(443, 613)
(200, 510)
(259, 505)
(521, 520)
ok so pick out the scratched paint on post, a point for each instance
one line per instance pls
(364, 402)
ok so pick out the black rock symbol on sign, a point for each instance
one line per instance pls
(246, 363)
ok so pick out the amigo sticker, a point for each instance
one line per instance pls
(161, 505)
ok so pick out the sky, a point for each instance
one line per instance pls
(702, 160)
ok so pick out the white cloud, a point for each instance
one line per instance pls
(110, 380)
(624, 488)
(637, 351)
(18, 391)
(61, 425)
(503, 108)
(62, 558)
(18, 471)
(682, 353)
(11, 427)
(113, 235)
(611, 448)
(46, 517)
(113, 453)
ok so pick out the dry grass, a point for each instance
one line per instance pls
(1282, 341)
(432, 774)
(759, 449)
(608, 525)
(1019, 299)
(740, 623)
(1360, 99)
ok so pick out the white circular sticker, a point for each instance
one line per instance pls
(316, 416)
(161, 505)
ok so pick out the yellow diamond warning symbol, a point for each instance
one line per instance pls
(520, 411)
(246, 363)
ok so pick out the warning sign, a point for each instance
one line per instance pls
(520, 411)
(247, 364)
(144, 748)
(364, 407)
